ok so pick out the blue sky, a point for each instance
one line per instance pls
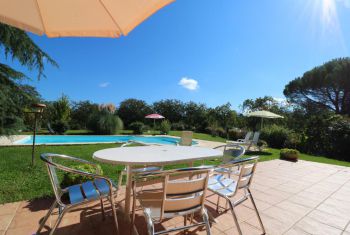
(233, 50)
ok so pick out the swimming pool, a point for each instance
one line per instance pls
(72, 139)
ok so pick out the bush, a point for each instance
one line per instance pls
(262, 144)
(137, 127)
(165, 127)
(178, 126)
(235, 134)
(105, 123)
(289, 154)
(275, 136)
(72, 179)
(60, 127)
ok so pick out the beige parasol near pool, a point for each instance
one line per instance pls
(263, 114)
(78, 18)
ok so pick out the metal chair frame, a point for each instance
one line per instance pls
(247, 168)
(168, 179)
(63, 208)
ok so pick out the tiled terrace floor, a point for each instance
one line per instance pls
(293, 198)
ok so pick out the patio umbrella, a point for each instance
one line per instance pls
(78, 18)
(263, 114)
(154, 116)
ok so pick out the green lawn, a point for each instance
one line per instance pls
(200, 136)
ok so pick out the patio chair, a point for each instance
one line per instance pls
(230, 152)
(227, 188)
(245, 140)
(97, 189)
(254, 141)
(141, 169)
(182, 192)
(186, 138)
(248, 143)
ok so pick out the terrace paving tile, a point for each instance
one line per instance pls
(293, 198)
(5, 221)
(313, 226)
(329, 219)
(9, 208)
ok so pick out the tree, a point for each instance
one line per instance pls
(262, 103)
(133, 110)
(195, 116)
(171, 109)
(223, 116)
(17, 45)
(14, 100)
(61, 114)
(326, 86)
(80, 114)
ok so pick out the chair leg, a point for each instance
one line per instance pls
(114, 214)
(217, 204)
(150, 225)
(43, 222)
(58, 221)
(206, 221)
(257, 212)
(103, 210)
(120, 180)
(234, 216)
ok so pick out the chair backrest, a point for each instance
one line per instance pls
(49, 159)
(246, 172)
(184, 190)
(256, 137)
(247, 136)
(186, 138)
(231, 151)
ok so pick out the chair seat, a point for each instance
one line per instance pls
(90, 190)
(221, 185)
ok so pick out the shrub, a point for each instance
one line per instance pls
(165, 127)
(294, 141)
(178, 126)
(105, 123)
(289, 154)
(220, 132)
(275, 136)
(235, 134)
(60, 127)
(72, 179)
(137, 127)
(262, 144)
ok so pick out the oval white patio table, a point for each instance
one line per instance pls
(152, 155)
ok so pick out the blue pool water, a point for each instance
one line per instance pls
(62, 139)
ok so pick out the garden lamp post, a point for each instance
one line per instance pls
(37, 111)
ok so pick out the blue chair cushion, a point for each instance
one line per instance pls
(90, 190)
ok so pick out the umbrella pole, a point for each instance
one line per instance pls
(262, 123)
(154, 125)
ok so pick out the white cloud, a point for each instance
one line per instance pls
(104, 84)
(189, 83)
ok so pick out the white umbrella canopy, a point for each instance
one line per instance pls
(263, 114)
(78, 18)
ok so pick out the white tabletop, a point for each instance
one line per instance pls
(158, 155)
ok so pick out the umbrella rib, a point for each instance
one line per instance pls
(41, 17)
(114, 21)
